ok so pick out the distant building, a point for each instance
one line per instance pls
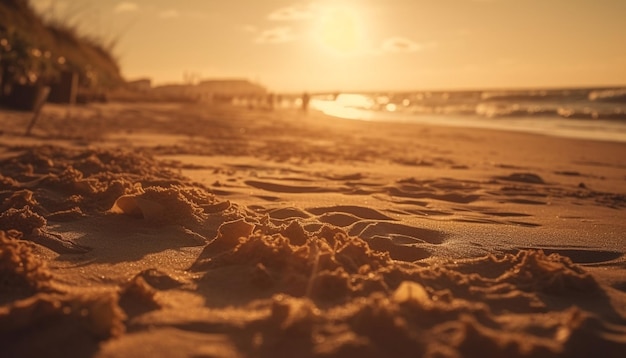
(221, 90)
(175, 92)
(141, 85)
(216, 89)
(230, 88)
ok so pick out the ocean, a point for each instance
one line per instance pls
(589, 113)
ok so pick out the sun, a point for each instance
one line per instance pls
(339, 30)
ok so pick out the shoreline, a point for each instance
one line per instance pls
(584, 129)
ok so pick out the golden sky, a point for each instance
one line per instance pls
(344, 45)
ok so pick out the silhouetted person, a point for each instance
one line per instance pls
(305, 101)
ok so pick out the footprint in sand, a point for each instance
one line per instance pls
(398, 252)
(380, 231)
(414, 193)
(288, 213)
(284, 188)
(338, 219)
(357, 211)
(586, 256)
(528, 178)
(399, 233)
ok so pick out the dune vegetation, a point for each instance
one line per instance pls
(34, 50)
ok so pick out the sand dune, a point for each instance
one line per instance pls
(168, 230)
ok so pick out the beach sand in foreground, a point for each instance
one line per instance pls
(184, 230)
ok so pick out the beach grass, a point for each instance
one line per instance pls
(55, 45)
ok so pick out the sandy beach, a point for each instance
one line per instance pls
(187, 230)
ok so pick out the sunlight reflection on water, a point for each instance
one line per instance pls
(359, 107)
(348, 106)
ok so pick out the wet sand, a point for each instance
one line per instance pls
(187, 230)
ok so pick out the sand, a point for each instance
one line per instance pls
(182, 230)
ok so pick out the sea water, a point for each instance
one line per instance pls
(590, 113)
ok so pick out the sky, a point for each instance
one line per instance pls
(362, 45)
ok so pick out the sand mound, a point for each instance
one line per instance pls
(20, 269)
(332, 295)
(53, 184)
(59, 325)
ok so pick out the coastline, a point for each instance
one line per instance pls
(611, 130)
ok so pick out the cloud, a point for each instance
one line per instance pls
(125, 7)
(400, 44)
(250, 28)
(169, 14)
(292, 13)
(276, 35)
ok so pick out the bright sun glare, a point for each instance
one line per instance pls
(339, 30)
